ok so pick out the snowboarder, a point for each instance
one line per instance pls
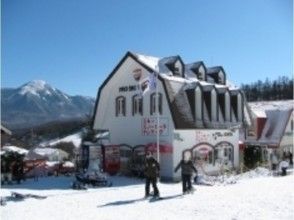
(151, 172)
(187, 168)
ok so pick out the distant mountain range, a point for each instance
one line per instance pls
(37, 102)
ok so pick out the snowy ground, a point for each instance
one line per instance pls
(255, 195)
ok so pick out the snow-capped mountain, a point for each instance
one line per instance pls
(37, 102)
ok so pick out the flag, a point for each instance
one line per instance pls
(152, 81)
(148, 84)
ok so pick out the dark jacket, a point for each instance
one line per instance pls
(187, 167)
(151, 168)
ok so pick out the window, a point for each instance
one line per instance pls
(221, 77)
(120, 106)
(153, 103)
(137, 105)
(125, 153)
(205, 157)
(234, 103)
(201, 73)
(200, 76)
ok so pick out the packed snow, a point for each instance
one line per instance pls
(255, 195)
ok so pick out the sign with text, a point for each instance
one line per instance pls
(149, 126)
(204, 136)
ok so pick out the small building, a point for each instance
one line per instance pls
(272, 130)
(199, 112)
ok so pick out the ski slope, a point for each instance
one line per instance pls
(255, 195)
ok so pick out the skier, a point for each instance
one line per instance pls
(187, 168)
(151, 171)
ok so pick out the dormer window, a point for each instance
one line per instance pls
(221, 78)
(199, 70)
(217, 75)
(175, 65)
(178, 69)
(199, 76)
(201, 73)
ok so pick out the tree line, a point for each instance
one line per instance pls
(278, 89)
(29, 137)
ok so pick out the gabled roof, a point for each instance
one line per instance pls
(215, 70)
(192, 69)
(275, 126)
(196, 65)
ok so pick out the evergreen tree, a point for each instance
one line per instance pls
(279, 89)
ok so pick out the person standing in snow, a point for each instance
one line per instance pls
(187, 168)
(274, 160)
(290, 155)
(151, 171)
(283, 166)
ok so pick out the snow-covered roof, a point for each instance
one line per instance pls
(75, 138)
(275, 125)
(159, 65)
(15, 149)
(177, 86)
(214, 69)
(46, 151)
(5, 130)
(259, 113)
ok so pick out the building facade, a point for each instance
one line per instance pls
(198, 111)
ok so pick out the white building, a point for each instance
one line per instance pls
(198, 112)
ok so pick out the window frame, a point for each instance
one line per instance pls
(153, 103)
(137, 105)
(120, 106)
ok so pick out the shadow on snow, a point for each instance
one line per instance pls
(127, 202)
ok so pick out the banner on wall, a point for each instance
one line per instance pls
(149, 126)
(163, 147)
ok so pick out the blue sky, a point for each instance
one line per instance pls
(74, 44)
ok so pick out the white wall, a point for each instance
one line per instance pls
(214, 105)
(187, 139)
(227, 106)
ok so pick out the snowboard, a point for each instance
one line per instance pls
(20, 196)
(153, 199)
